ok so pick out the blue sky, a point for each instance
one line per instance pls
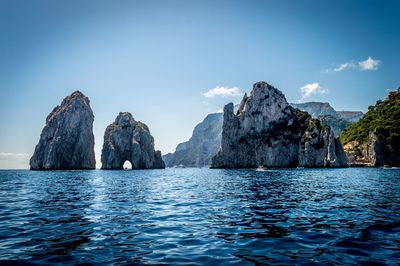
(158, 60)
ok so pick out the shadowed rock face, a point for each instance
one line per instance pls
(129, 140)
(267, 131)
(67, 140)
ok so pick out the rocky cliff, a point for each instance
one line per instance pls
(67, 140)
(375, 139)
(267, 131)
(129, 140)
(201, 147)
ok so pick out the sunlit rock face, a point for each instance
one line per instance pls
(129, 140)
(67, 140)
(267, 131)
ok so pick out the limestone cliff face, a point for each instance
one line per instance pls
(201, 147)
(67, 140)
(320, 148)
(267, 131)
(129, 140)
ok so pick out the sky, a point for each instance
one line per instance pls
(170, 63)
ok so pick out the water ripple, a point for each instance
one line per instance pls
(201, 216)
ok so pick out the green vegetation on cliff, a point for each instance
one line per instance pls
(383, 119)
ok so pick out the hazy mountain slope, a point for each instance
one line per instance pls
(337, 120)
(316, 109)
(201, 147)
(351, 116)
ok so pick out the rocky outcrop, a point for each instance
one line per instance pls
(129, 140)
(201, 147)
(267, 131)
(67, 140)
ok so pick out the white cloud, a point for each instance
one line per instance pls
(369, 64)
(221, 91)
(310, 89)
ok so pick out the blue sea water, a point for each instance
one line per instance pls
(201, 216)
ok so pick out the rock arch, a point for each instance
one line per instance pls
(129, 140)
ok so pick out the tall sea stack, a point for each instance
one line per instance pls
(67, 140)
(267, 131)
(129, 140)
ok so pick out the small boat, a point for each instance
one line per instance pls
(390, 167)
(261, 168)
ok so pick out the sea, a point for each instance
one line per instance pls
(201, 216)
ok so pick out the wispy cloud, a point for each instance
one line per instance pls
(368, 64)
(344, 66)
(311, 89)
(221, 91)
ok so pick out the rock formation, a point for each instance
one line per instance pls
(267, 131)
(201, 147)
(129, 140)
(67, 140)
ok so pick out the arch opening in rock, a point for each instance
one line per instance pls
(127, 165)
(129, 140)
